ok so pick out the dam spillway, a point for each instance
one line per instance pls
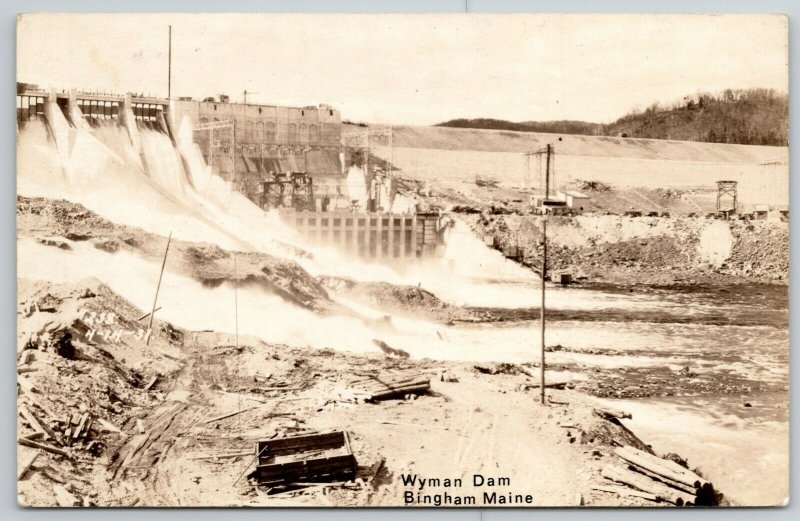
(242, 145)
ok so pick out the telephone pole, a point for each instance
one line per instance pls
(541, 310)
(548, 152)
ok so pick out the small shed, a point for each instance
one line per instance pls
(577, 200)
(760, 212)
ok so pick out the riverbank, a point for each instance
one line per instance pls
(645, 250)
(608, 243)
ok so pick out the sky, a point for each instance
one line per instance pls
(412, 69)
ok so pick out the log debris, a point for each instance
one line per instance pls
(666, 468)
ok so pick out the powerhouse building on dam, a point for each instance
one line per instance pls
(295, 160)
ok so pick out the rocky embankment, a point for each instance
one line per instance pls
(61, 224)
(410, 301)
(645, 250)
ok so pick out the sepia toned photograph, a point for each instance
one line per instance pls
(402, 260)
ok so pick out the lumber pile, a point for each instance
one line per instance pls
(656, 479)
(385, 386)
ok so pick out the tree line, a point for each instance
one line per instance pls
(741, 116)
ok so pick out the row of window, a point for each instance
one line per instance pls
(337, 221)
(261, 131)
(266, 132)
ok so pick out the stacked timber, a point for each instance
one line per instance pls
(385, 386)
(658, 479)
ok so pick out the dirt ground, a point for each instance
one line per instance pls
(186, 437)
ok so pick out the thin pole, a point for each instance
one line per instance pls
(236, 298)
(236, 315)
(547, 174)
(158, 287)
(541, 310)
(169, 66)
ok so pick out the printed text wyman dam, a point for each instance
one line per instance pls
(419, 495)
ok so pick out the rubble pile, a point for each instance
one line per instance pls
(759, 251)
(75, 384)
(646, 250)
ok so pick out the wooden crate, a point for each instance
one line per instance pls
(310, 458)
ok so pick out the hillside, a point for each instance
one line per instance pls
(745, 117)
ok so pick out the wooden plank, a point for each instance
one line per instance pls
(39, 405)
(109, 426)
(385, 385)
(376, 469)
(151, 383)
(310, 440)
(38, 425)
(401, 390)
(645, 484)
(26, 465)
(663, 479)
(48, 448)
(81, 425)
(26, 357)
(625, 491)
(228, 415)
(222, 456)
(64, 498)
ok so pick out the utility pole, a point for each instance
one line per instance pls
(169, 66)
(158, 287)
(541, 310)
(549, 150)
(236, 318)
